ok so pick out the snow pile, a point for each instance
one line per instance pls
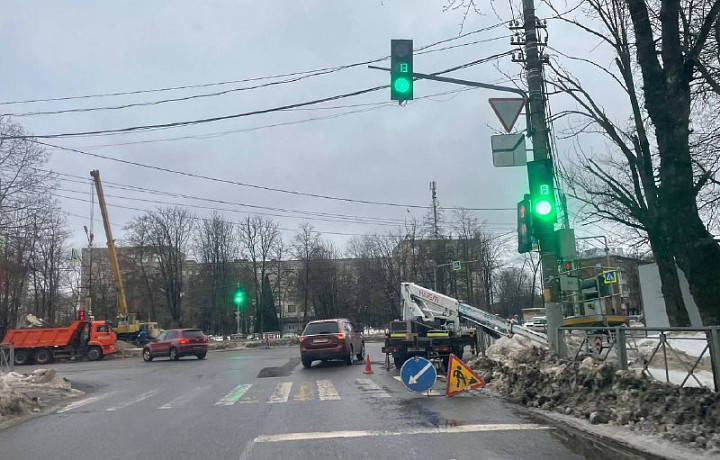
(40, 378)
(601, 393)
(13, 402)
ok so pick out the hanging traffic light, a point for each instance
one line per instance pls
(542, 191)
(239, 297)
(401, 70)
(524, 223)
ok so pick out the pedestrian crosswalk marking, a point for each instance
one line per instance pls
(327, 391)
(305, 392)
(372, 388)
(84, 402)
(135, 400)
(232, 397)
(281, 393)
(180, 400)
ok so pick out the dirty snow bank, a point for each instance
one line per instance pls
(601, 393)
(24, 393)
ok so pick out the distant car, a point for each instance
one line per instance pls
(175, 343)
(331, 339)
(537, 324)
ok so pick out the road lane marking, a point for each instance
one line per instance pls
(327, 391)
(305, 392)
(84, 402)
(368, 433)
(372, 388)
(281, 393)
(139, 398)
(182, 399)
(232, 397)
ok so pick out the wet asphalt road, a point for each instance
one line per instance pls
(262, 404)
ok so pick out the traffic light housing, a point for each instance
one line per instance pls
(401, 70)
(239, 297)
(524, 223)
(542, 192)
(81, 315)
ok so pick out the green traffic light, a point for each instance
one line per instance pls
(401, 85)
(543, 208)
(239, 298)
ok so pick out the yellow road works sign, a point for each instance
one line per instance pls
(460, 377)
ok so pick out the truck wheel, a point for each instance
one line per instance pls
(399, 361)
(22, 357)
(43, 356)
(94, 353)
(174, 355)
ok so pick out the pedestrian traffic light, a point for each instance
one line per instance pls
(81, 315)
(524, 222)
(239, 297)
(401, 70)
(542, 192)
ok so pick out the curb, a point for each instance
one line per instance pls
(572, 430)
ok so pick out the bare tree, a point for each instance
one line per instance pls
(259, 237)
(305, 244)
(167, 232)
(653, 180)
(217, 245)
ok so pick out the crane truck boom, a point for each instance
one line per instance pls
(430, 327)
(128, 326)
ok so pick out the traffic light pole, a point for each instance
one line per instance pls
(541, 151)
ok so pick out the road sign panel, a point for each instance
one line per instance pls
(610, 276)
(508, 150)
(418, 374)
(507, 110)
(456, 266)
(460, 377)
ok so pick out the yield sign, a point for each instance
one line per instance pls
(507, 110)
(460, 377)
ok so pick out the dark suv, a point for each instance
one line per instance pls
(175, 343)
(331, 339)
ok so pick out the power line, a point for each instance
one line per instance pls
(301, 74)
(178, 124)
(228, 91)
(261, 187)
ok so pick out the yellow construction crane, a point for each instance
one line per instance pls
(127, 325)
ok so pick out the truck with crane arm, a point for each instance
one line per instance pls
(127, 327)
(431, 326)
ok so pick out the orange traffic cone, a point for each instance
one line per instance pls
(368, 368)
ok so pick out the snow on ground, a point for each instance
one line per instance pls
(25, 393)
(677, 377)
(692, 344)
(602, 394)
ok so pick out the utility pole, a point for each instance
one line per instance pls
(433, 189)
(545, 232)
(436, 239)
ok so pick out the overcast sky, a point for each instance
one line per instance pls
(361, 148)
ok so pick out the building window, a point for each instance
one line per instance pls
(291, 308)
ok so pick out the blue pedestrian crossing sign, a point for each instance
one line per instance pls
(610, 276)
(418, 374)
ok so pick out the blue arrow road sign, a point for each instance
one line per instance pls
(418, 374)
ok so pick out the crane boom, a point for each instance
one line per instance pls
(112, 254)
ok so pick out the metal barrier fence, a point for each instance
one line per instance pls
(7, 358)
(640, 347)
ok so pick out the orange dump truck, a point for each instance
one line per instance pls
(91, 339)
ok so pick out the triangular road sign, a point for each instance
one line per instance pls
(507, 110)
(460, 377)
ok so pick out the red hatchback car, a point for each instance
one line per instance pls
(175, 343)
(331, 339)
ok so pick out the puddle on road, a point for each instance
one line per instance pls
(282, 371)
